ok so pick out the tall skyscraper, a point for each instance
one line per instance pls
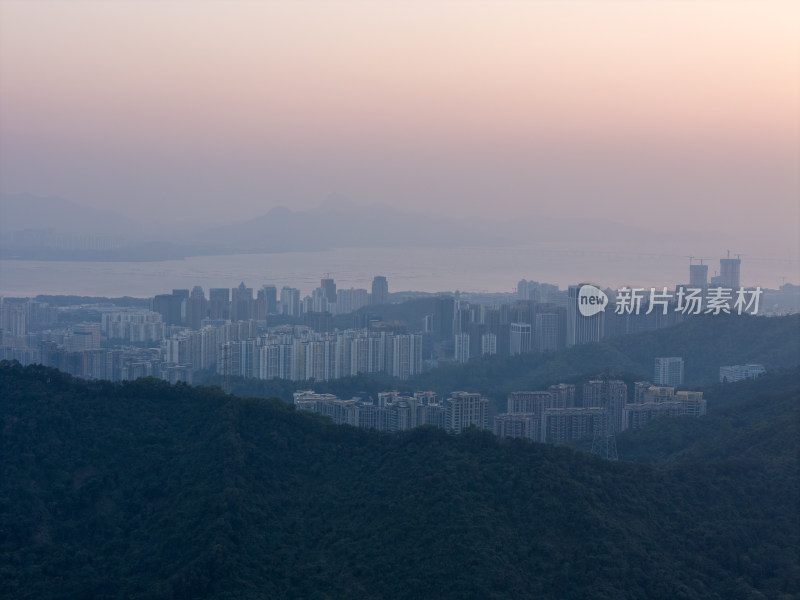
(261, 306)
(270, 295)
(219, 303)
(329, 287)
(169, 306)
(290, 301)
(13, 320)
(461, 347)
(196, 307)
(489, 343)
(698, 276)
(242, 303)
(729, 272)
(183, 296)
(462, 316)
(406, 355)
(580, 329)
(320, 303)
(668, 371)
(520, 338)
(443, 315)
(549, 331)
(380, 290)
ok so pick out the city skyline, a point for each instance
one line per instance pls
(338, 298)
(335, 332)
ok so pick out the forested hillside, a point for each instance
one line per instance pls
(146, 490)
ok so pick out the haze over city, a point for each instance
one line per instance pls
(346, 299)
(668, 116)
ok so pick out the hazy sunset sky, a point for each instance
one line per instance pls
(679, 114)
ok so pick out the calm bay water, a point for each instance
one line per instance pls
(469, 269)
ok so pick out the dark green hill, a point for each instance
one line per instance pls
(706, 343)
(755, 420)
(145, 490)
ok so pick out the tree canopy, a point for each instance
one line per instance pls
(147, 490)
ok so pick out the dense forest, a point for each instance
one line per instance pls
(146, 490)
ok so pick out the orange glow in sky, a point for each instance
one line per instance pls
(518, 107)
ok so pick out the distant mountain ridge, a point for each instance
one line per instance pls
(284, 230)
(34, 227)
(26, 212)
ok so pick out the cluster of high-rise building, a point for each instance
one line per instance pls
(391, 411)
(185, 332)
(473, 329)
(237, 331)
(301, 354)
(134, 325)
(545, 318)
(652, 401)
(529, 325)
(240, 348)
(242, 303)
(554, 415)
(190, 308)
(728, 276)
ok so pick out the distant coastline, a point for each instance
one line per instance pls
(468, 269)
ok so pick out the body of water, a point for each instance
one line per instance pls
(471, 269)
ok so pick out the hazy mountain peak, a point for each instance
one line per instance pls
(279, 210)
(335, 202)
